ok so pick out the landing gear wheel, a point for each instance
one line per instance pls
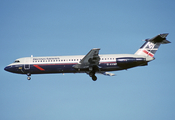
(28, 74)
(28, 78)
(94, 78)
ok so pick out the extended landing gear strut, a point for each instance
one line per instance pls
(28, 74)
(92, 75)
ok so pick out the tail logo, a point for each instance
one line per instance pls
(148, 53)
(151, 45)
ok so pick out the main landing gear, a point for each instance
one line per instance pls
(94, 78)
(92, 75)
(28, 74)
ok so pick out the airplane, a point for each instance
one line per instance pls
(91, 63)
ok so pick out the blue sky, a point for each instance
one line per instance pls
(53, 28)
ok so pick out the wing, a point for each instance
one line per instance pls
(90, 61)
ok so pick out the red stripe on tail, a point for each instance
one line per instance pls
(148, 53)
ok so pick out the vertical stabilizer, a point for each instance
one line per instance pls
(150, 47)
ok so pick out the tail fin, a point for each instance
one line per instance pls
(150, 47)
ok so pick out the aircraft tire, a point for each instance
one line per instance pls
(94, 78)
(28, 78)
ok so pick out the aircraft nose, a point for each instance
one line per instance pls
(7, 68)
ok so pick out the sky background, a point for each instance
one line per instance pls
(67, 27)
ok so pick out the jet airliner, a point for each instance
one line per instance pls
(91, 63)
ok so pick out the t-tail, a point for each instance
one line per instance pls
(149, 48)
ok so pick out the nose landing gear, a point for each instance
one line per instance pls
(28, 74)
(28, 78)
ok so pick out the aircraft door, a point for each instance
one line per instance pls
(27, 64)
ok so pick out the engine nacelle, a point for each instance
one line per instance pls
(128, 62)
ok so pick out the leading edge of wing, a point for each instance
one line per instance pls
(91, 58)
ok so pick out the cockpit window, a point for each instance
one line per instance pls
(16, 61)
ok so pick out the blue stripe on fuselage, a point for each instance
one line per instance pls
(59, 68)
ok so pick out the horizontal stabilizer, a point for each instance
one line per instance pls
(161, 38)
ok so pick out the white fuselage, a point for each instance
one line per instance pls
(64, 64)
